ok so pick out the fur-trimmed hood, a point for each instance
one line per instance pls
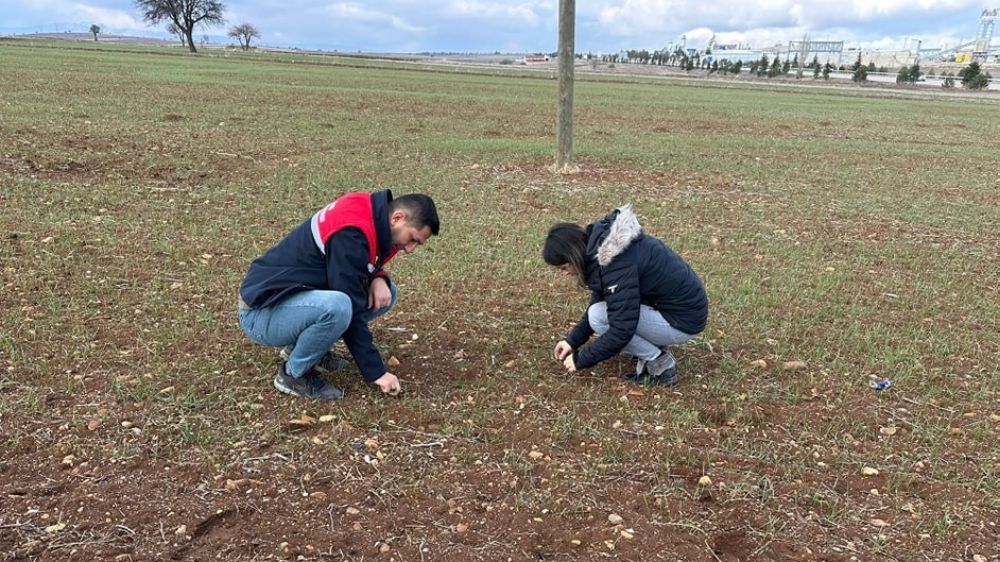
(614, 234)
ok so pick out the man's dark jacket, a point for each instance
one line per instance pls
(627, 269)
(345, 263)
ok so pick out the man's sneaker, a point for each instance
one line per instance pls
(311, 385)
(328, 364)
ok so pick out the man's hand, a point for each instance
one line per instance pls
(569, 363)
(562, 350)
(379, 295)
(389, 384)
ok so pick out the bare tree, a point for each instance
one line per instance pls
(183, 15)
(95, 29)
(243, 33)
(173, 30)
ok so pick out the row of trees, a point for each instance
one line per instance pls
(972, 76)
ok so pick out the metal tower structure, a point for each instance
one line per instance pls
(984, 35)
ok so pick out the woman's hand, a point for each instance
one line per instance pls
(562, 350)
(569, 363)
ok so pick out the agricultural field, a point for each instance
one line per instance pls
(844, 239)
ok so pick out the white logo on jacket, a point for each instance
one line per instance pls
(612, 288)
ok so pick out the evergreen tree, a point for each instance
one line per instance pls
(974, 78)
(775, 68)
(903, 76)
(857, 63)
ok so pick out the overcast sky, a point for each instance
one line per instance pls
(532, 25)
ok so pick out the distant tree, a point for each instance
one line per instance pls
(96, 30)
(786, 66)
(815, 69)
(857, 63)
(903, 76)
(815, 63)
(689, 65)
(737, 67)
(948, 82)
(715, 67)
(183, 14)
(243, 33)
(883, 69)
(826, 70)
(915, 73)
(775, 68)
(974, 78)
(871, 67)
(860, 75)
(762, 65)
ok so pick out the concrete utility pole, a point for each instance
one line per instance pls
(804, 49)
(567, 56)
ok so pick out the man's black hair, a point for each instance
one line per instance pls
(420, 210)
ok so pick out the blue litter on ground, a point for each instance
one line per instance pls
(880, 384)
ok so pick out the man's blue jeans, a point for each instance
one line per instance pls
(309, 322)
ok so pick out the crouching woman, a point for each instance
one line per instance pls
(644, 297)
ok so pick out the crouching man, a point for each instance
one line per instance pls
(325, 281)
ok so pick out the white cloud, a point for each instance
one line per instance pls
(525, 13)
(108, 18)
(629, 16)
(358, 13)
(876, 22)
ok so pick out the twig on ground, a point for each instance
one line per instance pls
(919, 403)
(440, 443)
